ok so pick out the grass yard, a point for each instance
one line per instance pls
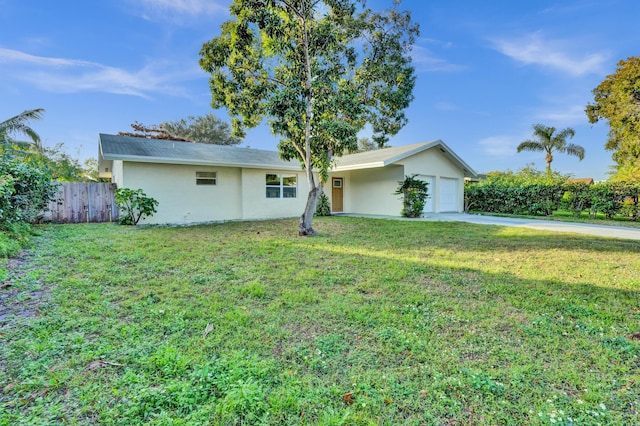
(567, 216)
(373, 322)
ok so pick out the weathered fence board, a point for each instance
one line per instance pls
(78, 202)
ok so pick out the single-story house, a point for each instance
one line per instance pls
(206, 183)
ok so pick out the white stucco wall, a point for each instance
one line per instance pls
(371, 191)
(180, 200)
(238, 193)
(434, 163)
(117, 173)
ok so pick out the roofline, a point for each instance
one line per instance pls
(469, 172)
(161, 160)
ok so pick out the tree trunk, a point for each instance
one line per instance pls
(304, 225)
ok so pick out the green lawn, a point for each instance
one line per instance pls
(567, 216)
(372, 322)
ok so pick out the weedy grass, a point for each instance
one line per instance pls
(372, 322)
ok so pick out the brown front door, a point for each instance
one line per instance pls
(336, 194)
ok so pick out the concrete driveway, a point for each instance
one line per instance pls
(540, 224)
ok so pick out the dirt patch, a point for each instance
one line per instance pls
(19, 298)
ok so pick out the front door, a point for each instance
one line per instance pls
(336, 194)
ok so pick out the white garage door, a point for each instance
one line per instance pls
(448, 195)
(429, 205)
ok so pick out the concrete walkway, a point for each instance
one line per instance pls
(540, 224)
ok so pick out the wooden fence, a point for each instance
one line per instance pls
(78, 202)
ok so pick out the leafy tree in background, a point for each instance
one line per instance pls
(319, 70)
(548, 141)
(617, 100)
(203, 129)
(151, 132)
(526, 175)
(627, 172)
(364, 144)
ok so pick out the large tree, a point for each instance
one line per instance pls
(617, 100)
(319, 70)
(548, 141)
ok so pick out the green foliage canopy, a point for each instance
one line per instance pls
(202, 129)
(319, 71)
(617, 100)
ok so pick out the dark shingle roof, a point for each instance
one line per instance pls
(146, 150)
(128, 148)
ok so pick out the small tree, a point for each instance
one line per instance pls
(414, 195)
(134, 205)
(323, 208)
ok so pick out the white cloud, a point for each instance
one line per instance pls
(425, 61)
(9, 55)
(169, 8)
(534, 49)
(500, 146)
(63, 75)
(446, 106)
(568, 115)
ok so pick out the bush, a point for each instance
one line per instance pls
(134, 205)
(324, 207)
(25, 190)
(414, 194)
(576, 198)
(546, 196)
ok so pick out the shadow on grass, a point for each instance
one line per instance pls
(472, 236)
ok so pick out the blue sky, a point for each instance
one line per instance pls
(486, 71)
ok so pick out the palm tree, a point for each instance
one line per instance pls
(20, 124)
(548, 142)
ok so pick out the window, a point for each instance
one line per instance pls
(281, 186)
(337, 183)
(206, 178)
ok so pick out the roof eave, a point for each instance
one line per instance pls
(359, 166)
(140, 159)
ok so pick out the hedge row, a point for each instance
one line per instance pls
(609, 198)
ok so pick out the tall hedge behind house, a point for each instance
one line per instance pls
(543, 198)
